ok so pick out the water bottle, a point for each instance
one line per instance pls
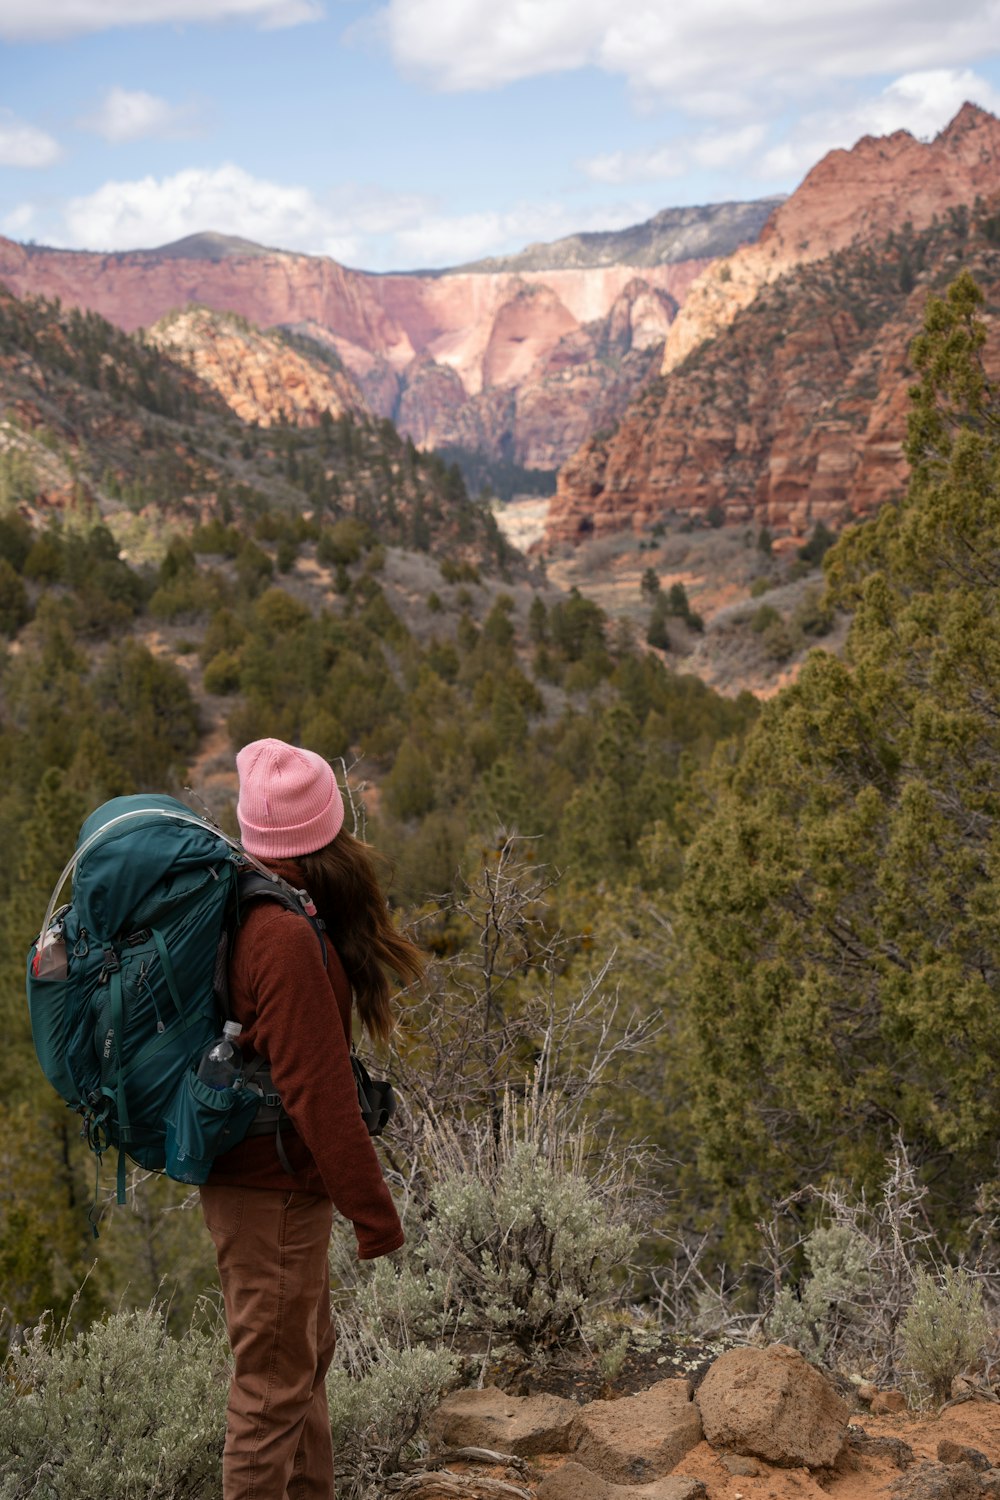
(221, 1067)
(49, 961)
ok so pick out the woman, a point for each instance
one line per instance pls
(272, 1230)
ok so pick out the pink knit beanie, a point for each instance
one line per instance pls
(290, 802)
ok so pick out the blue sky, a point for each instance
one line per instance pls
(428, 132)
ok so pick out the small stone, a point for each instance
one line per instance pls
(938, 1482)
(738, 1463)
(888, 1403)
(866, 1392)
(892, 1448)
(955, 1453)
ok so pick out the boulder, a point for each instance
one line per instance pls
(573, 1482)
(888, 1403)
(772, 1404)
(949, 1452)
(938, 1482)
(490, 1418)
(638, 1438)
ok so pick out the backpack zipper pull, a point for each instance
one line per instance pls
(142, 980)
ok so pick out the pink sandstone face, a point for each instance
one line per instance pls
(421, 348)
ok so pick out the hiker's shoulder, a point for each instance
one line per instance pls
(267, 926)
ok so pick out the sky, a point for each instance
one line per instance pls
(426, 133)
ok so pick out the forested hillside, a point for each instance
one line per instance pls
(697, 967)
(173, 584)
(839, 904)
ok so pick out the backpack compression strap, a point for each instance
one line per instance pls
(253, 886)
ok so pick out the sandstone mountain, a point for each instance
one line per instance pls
(262, 377)
(789, 404)
(521, 363)
(849, 197)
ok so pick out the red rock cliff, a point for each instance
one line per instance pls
(536, 336)
(784, 400)
(849, 197)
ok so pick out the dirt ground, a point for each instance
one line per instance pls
(865, 1472)
(862, 1474)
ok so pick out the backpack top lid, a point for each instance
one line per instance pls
(127, 847)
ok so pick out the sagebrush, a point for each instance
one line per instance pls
(120, 1411)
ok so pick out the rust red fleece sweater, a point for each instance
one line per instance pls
(296, 1014)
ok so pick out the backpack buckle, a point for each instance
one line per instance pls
(112, 965)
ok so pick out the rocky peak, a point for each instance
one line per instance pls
(260, 376)
(674, 234)
(882, 183)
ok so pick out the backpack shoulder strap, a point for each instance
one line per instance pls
(251, 885)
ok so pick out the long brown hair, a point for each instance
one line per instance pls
(343, 881)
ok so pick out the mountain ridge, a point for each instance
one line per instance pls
(702, 231)
(881, 183)
(520, 365)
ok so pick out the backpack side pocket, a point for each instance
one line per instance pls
(202, 1123)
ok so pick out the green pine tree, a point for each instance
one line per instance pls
(840, 904)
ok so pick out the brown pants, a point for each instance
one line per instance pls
(272, 1252)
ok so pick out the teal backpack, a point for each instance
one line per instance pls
(127, 986)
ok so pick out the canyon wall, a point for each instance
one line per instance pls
(783, 397)
(522, 364)
(850, 197)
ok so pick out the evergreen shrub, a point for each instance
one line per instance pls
(121, 1411)
(521, 1244)
(945, 1329)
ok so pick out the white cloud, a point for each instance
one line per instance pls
(19, 221)
(24, 145)
(34, 20)
(475, 44)
(921, 103)
(718, 150)
(132, 115)
(151, 211)
(764, 54)
(448, 240)
(360, 226)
